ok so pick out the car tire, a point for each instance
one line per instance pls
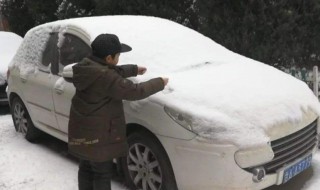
(22, 121)
(147, 164)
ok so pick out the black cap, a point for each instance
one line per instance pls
(108, 44)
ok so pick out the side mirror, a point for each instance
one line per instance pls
(67, 72)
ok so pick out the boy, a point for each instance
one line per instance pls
(97, 127)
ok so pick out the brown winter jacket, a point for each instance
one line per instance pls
(97, 127)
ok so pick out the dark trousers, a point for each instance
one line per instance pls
(95, 175)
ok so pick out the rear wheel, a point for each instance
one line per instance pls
(147, 166)
(22, 121)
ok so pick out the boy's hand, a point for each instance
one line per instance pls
(141, 70)
(165, 80)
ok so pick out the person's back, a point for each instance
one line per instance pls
(97, 127)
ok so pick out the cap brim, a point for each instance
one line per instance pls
(125, 48)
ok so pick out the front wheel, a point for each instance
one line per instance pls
(147, 166)
(22, 121)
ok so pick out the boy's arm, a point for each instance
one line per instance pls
(127, 70)
(124, 89)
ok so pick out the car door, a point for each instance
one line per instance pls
(37, 87)
(72, 50)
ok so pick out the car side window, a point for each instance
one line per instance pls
(50, 55)
(72, 50)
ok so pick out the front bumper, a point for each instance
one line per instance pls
(199, 165)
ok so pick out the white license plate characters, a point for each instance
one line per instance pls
(297, 168)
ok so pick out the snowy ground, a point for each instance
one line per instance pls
(44, 165)
(47, 165)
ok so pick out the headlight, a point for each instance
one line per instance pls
(179, 118)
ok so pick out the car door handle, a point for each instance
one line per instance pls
(23, 80)
(58, 91)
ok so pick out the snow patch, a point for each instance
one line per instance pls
(236, 103)
(29, 55)
(27, 166)
(61, 38)
(9, 43)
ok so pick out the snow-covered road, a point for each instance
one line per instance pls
(47, 165)
(44, 165)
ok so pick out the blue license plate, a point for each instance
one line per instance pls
(296, 168)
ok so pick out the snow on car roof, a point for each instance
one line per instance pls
(231, 98)
(155, 41)
(9, 43)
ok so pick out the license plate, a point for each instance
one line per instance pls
(296, 168)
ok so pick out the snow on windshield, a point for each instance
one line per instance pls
(9, 43)
(230, 98)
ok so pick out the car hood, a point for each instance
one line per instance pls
(239, 102)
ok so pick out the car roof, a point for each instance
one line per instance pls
(160, 44)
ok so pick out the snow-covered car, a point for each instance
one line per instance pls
(224, 121)
(9, 43)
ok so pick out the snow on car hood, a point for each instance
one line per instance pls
(9, 43)
(237, 102)
(229, 97)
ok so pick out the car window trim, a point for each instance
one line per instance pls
(42, 70)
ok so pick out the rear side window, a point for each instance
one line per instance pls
(50, 55)
(72, 50)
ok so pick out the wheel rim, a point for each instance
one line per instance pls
(144, 168)
(20, 118)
